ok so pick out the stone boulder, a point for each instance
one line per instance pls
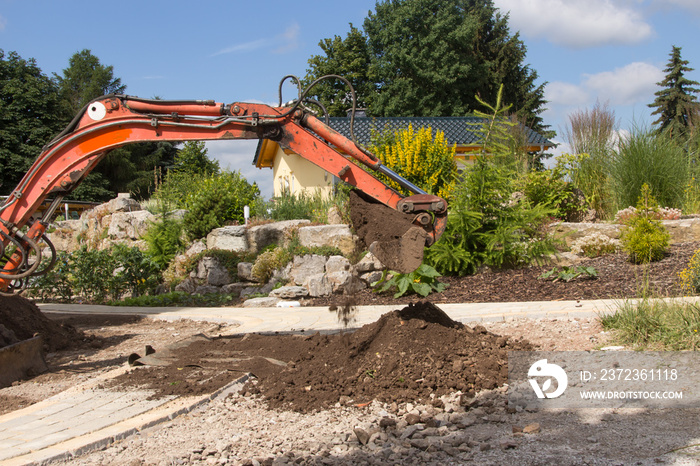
(129, 225)
(304, 267)
(261, 236)
(318, 285)
(289, 292)
(686, 230)
(570, 232)
(229, 238)
(369, 263)
(245, 271)
(261, 302)
(338, 236)
(211, 272)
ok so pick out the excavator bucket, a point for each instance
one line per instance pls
(388, 234)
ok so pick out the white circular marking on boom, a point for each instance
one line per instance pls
(97, 111)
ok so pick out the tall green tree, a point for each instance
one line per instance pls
(676, 102)
(30, 115)
(126, 169)
(86, 79)
(433, 57)
(349, 58)
(192, 159)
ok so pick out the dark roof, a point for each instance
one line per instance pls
(457, 129)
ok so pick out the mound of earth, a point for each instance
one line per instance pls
(407, 355)
(21, 319)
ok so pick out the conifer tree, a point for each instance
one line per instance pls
(675, 103)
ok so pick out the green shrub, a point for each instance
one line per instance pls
(134, 271)
(99, 275)
(216, 201)
(422, 281)
(551, 189)
(302, 205)
(55, 282)
(93, 274)
(269, 261)
(488, 224)
(647, 156)
(645, 239)
(164, 240)
(178, 298)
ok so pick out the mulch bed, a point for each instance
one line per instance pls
(617, 278)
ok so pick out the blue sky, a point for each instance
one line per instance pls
(610, 51)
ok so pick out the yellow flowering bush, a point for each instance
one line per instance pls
(423, 159)
(690, 276)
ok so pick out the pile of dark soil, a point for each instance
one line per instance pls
(21, 319)
(406, 355)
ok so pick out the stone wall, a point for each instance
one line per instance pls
(123, 220)
(685, 230)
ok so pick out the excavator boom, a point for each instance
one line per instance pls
(114, 121)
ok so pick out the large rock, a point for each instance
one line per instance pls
(261, 236)
(229, 238)
(129, 225)
(289, 292)
(338, 236)
(570, 232)
(212, 272)
(686, 230)
(306, 266)
(245, 271)
(261, 302)
(369, 263)
(337, 264)
(318, 285)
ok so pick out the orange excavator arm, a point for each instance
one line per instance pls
(114, 121)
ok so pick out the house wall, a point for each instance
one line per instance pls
(298, 175)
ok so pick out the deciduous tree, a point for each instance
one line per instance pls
(30, 115)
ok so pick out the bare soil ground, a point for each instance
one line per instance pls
(407, 381)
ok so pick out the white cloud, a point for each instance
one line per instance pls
(3, 23)
(566, 93)
(625, 86)
(691, 5)
(281, 43)
(628, 85)
(289, 39)
(244, 47)
(578, 23)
